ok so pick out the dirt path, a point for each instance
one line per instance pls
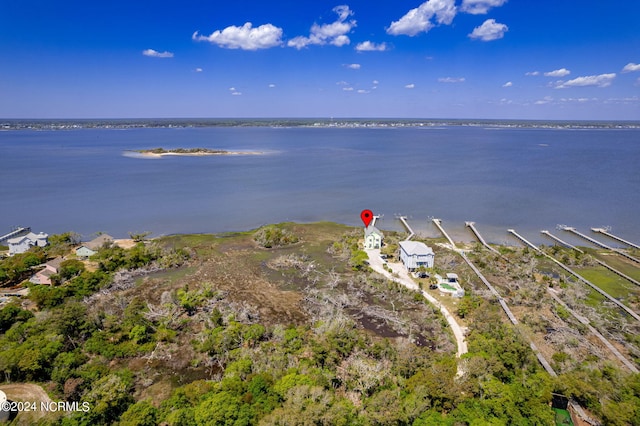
(376, 263)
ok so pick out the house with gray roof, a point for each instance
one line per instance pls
(415, 254)
(90, 248)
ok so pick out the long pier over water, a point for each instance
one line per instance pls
(471, 225)
(610, 235)
(598, 243)
(601, 263)
(575, 274)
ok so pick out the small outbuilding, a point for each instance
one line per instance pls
(415, 254)
(372, 237)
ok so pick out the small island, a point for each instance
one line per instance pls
(196, 152)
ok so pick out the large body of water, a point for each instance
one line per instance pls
(523, 178)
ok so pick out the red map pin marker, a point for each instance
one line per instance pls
(367, 217)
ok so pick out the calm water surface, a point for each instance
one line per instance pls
(527, 179)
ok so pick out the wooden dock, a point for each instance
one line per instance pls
(610, 235)
(601, 263)
(575, 274)
(471, 225)
(403, 219)
(15, 233)
(598, 243)
(438, 224)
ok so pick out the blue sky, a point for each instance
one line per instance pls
(545, 59)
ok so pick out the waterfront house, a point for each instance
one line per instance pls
(50, 268)
(372, 237)
(90, 248)
(25, 242)
(415, 254)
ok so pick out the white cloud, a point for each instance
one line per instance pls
(236, 93)
(562, 72)
(348, 89)
(489, 30)
(368, 46)
(353, 66)
(245, 37)
(419, 20)
(530, 73)
(271, 86)
(410, 86)
(198, 70)
(363, 91)
(342, 83)
(334, 33)
(480, 7)
(376, 82)
(155, 54)
(545, 100)
(507, 84)
(602, 80)
(631, 67)
(451, 80)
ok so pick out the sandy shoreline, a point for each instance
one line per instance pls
(191, 154)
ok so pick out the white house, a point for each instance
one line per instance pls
(372, 237)
(415, 254)
(25, 242)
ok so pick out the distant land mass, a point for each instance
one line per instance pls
(194, 152)
(70, 124)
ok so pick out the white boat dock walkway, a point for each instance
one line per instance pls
(601, 263)
(471, 225)
(403, 219)
(598, 243)
(610, 235)
(438, 224)
(575, 274)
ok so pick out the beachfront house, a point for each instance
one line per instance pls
(50, 268)
(23, 243)
(372, 237)
(415, 254)
(90, 248)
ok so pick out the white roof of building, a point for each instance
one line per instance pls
(452, 276)
(30, 236)
(415, 248)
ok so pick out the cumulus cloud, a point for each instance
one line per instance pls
(410, 86)
(155, 54)
(562, 72)
(545, 100)
(480, 7)
(353, 66)
(421, 19)
(530, 73)
(245, 37)
(507, 84)
(368, 46)
(489, 30)
(198, 70)
(602, 80)
(451, 80)
(334, 33)
(631, 67)
(348, 89)
(362, 91)
(271, 86)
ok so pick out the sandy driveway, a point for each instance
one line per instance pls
(403, 278)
